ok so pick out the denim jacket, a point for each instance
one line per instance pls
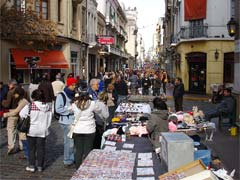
(67, 117)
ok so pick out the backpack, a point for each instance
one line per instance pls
(57, 115)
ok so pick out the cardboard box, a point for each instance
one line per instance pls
(187, 170)
(204, 175)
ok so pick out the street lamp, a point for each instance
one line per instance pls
(232, 26)
(216, 54)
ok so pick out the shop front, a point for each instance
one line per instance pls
(29, 65)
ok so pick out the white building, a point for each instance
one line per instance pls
(132, 30)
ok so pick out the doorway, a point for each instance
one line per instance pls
(197, 73)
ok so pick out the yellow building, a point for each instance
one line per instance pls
(204, 62)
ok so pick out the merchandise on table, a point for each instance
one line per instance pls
(100, 164)
(145, 171)
(134, 107)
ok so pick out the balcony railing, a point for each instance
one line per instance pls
(193, 32)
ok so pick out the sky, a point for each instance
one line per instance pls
(148, 13)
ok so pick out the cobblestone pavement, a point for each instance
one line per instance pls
(13, 168)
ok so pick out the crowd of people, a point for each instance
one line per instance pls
(83, 113)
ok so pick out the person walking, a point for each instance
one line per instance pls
(156, 85)
(13, 117)
(84, 126)
(41, 116)
(178, 93)
(146, 84)
(62, 105)
(164, 81)
(111, 102)
(57, 85)
(93, 89)
(121, 89)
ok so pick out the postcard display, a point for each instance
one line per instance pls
(101, 164)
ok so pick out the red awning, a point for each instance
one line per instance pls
(195, 9)
(47, 59)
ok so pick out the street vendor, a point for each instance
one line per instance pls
(158, 121)
(226, 106)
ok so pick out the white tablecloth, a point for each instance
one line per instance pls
(134, 108)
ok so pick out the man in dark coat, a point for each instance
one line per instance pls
(226, 106)
(156, 85)
(121, 90)
(178, 93)
(146, 83)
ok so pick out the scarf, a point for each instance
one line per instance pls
(70, 94)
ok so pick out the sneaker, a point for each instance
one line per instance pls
(30, 169)
(39, 169)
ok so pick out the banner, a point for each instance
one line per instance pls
(195, 9)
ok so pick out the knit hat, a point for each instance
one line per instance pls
(71, 81)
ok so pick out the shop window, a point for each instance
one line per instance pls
(42, 8)
(74, 62)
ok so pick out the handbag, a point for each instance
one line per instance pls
(24, 124)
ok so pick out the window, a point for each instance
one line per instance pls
(20, 5)
(42, 9)
(74, 68)
(74, 16)
(196, 29)
(59, 10)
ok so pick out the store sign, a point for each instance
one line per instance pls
(107, 40)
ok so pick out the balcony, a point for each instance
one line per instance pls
(193, 32)
(116, 51)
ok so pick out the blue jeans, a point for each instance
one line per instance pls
(211, 114)
(68, 157)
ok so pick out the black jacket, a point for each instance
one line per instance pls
(156, 83)
(121, 88)
(226, 105)
(178, 90)
(146, 83)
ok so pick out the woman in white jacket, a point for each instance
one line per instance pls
(84, 126)
(41, 116)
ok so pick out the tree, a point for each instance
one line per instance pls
(25, 27)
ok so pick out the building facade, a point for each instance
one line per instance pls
(132, 31)
(114, 52)
(196, 41)
(68, 52)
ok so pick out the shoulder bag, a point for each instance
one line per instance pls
(24, 123)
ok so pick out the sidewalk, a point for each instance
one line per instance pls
(187, 96)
